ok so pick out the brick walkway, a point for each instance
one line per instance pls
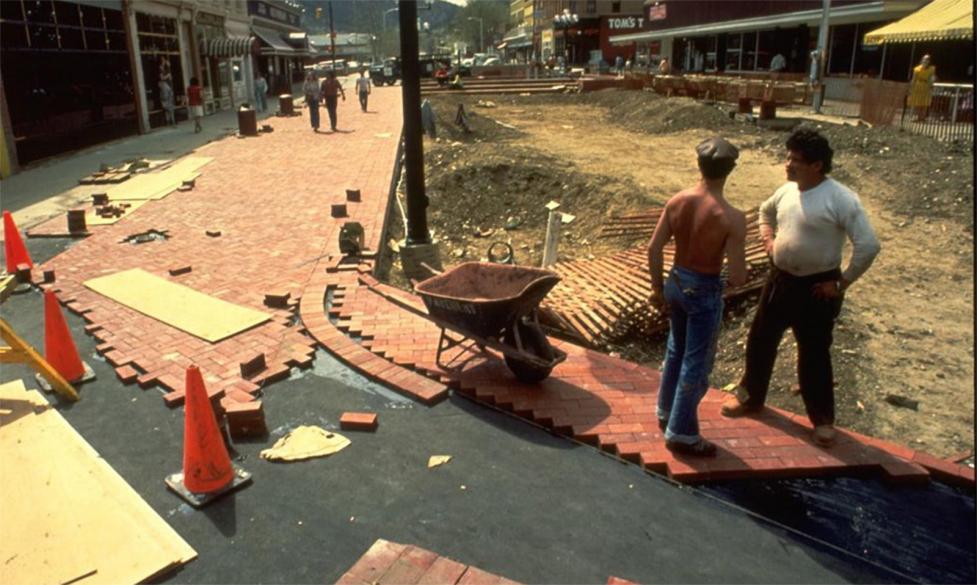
(270, 198)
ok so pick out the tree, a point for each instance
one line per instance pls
(494, 15)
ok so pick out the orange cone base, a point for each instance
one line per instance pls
(88, 376)
(175, 483)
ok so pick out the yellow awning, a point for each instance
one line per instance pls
(940, 20)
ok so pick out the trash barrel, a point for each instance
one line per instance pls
(768, 110)
(247, 121)
(285, 105)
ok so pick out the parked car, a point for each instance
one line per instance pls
(491, 61)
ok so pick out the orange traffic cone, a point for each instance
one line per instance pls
(13, 247)
(59, 347)
(207, 468)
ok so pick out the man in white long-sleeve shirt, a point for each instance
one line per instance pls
(804, 226)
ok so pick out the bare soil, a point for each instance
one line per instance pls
(907, 327)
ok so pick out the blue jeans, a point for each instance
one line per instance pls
(695, 303)
(260, 103)
(313, 112)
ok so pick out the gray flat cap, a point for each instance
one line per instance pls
(717, 149)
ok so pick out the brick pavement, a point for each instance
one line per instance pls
(269, 197)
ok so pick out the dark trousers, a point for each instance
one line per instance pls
(364, 97)
(331, 108)
(788, 301)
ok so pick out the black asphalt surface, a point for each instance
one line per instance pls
(515, 500)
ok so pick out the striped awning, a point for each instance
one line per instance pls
(229, 47)
(940, 20)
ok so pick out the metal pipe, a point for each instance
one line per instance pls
(417, 201)
(822, 55)
(332, 38)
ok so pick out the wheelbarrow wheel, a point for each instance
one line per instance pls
(533, 341)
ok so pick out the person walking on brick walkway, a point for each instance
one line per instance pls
(803, 226)
(331, 89)
(363, 89)
(706, 228)
(312, 93)
(195, 102)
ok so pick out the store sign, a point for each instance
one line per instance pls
(657, 12)
(626, 23)
(208, 19)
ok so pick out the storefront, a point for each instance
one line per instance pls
(577, 41)
(619, 25)
(66, 76)
(724, 37)
(272, 21)
(162, 62)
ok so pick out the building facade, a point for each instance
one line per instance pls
(66, 78)
(742, 38)
(74, 73)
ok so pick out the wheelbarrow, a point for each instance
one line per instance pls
(495, 306)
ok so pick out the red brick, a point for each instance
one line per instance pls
(127, 374)
(476, 576)
(374, 563)
(442, 570)
(409, 566)
(358, 421)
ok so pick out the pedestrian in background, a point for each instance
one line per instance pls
(664, 68)
(260, 92)
(331, 90)
(167, 97)
(195, 101)
(706, 229)
(803, 227)
(921, 88)
(312, 94)
(363, 89)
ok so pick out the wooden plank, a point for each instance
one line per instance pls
(158, 184)
(66, 514)
(176, 305)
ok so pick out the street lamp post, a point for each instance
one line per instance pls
(385, 13)
(481, 33)
(565, 21)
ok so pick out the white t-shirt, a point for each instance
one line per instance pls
(811, 226)
(362, 84)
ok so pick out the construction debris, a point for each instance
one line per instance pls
(306, 442)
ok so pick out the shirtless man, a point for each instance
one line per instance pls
(706, 228)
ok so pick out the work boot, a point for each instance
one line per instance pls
(701, 448)
(824, 435)
(736, 405)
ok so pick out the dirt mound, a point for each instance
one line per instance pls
(503, 195)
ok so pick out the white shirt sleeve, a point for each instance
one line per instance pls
(865, 243)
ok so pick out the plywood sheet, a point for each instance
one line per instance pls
(159, 184)
(66, 515)
(176, 305)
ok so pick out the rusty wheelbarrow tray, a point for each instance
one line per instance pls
(495, 306)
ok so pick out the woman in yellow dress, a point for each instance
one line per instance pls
(921, 88)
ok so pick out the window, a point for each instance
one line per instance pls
(616, 7)
(67, 14)
(591, 6)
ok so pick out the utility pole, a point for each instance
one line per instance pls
(332, 38)
(413, 143)
(822, 56)
(418, 249)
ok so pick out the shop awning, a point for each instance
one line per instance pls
(274, 44)
(941, 20)
(848, 14)
(229, 47)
